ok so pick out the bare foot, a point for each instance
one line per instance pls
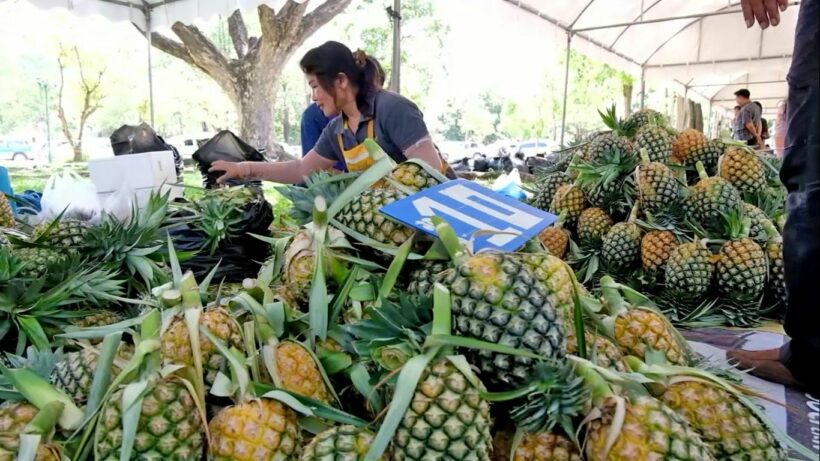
(772, 370)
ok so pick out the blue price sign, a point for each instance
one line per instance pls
(491, 220)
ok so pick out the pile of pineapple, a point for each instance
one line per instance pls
(693, 221)
(358, 339)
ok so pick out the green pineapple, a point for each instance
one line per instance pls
(64, 233)
(425, 275)
(657, 141)
(344, 442)
(710, 200)
(741, 266)
(758, 222)
(621, 249)
(689, 271)
(743, 169)
(658, 189)
(646, 118)
(38, 260)
(546, 189)
(593, 224)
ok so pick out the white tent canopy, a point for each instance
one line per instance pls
(702, 46)
(154, 14)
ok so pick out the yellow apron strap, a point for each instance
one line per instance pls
(357, 158)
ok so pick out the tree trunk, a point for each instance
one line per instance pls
(255, 107)
(627, 98)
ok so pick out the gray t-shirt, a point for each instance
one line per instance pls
(748, 113)
(398, 124)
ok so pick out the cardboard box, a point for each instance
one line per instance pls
(142, 173)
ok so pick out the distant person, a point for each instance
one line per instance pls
(737, 113)
(314, 120)
(780, 129)
(745, 126)
(794, 362)
(762, 124)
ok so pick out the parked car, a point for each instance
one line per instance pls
(533, 147)
(15, 149)
(187, 144)
(454, 151)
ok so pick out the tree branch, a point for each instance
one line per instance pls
(238, 33)
(206, 56)
(172, 47)
(290, 17)
(321, 16)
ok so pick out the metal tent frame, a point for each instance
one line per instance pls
(632, 64)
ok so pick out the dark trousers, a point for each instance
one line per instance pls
(801, 175)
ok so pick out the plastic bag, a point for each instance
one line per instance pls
(120, 203)
(510, 185)
(224, 146)
(69, 192)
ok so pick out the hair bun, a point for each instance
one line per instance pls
(361, 58)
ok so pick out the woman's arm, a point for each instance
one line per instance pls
(424, 149)
(290, 172)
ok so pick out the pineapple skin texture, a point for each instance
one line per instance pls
(256, 430)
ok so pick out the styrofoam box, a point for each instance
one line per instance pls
(141, 195)
(142, 173)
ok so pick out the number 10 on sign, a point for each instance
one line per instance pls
(493, 221)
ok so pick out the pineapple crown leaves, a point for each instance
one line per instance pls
(321, 183)
(618, 126)
(393, 332)
(554, 396)
(40, 393)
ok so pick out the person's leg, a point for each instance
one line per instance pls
(801, 237)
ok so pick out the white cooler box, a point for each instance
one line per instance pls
(142, 173)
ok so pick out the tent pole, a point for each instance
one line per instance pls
(566, 85)
(643, 88)
(395, 15)
(150, 66)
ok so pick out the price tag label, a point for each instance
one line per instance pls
(491, 220)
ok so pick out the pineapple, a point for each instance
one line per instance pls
(741, 264)
(729, 428)
(14, 417)
(691, 146)
(362, 215)
(425, 276)
(649, 430)
(170, 425)
(296, 370)
(545, 446)
(743, 169)
(622, 246)
(254, 430)
(657, 142)
(758, 222)
(75, 372)
(447, 417)
(65, 233)
(656, 247)
(6, 213)
(658, 189)
(568, 200)
(546, 189)
(37, 260)
(710, 200)
(176, 343)
(97, 318)
(556, 239)
(593, 224)
(609, 148)
(776, 285)
(741, 269)
(414, 175)
(498, 298)
(345, 442)
(646, 118)
(602, 351)
(689, 271)
(637, 329)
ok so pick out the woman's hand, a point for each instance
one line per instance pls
(233, 170)
(765, 11)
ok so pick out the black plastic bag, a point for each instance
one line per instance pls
(239, 257)
(138, 139)
(224, 146)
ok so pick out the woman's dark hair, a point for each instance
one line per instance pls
(330, 59)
